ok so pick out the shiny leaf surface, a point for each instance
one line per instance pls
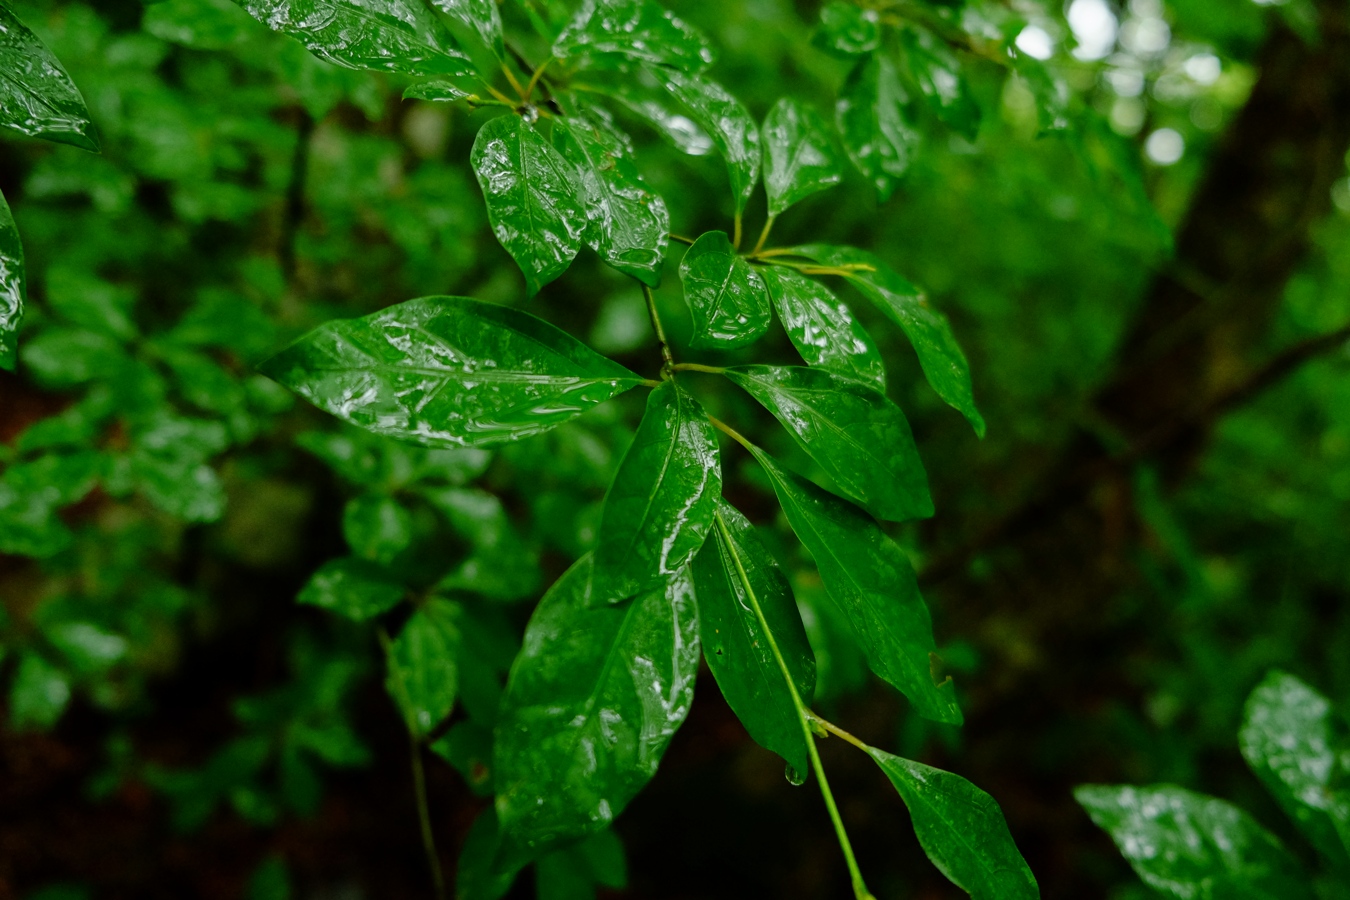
(423, 671)
(636, 30)
(871, 581)
(13, 287)
(660, 505)
(847, 29)
(448, 371)
(726, 296)
(937, 71)
(873, 117)
(736, 640)
(480, 15)
(352, 588)
(822, 327)
(643, 95)
(442, 91)
(726, 121)
(800, 157)
(853, 432)
(37, 97)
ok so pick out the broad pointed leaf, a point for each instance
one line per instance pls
(961, 829)
(353, 588)
(1191, 846)
(937, 71)
(660, 506)
(533, 198)
(480, 15)
(737, 638)
(594, 697)
(726, 297)
(821, 326)
(873, 117)
(800, 157)
(423, 665)
(853, 432)
(723, 117)
(383, 35)
(847, 29)
(37, 97)
(626, 223)
(639, 30)
(448, 371)
(871, 581)
(12, 287)
(643, 95)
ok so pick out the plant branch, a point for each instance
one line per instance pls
(667, 358)
(681, 239)
(534, 79)
(737, 227)
(697, 367)
(729, 431)
(763, 236)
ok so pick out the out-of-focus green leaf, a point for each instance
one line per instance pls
(633, 29)
(502, 567)
(377, 527)
(444, 91)
(353, 588)
(468, 747)
(726, 297)
(37, 97)
(448, 371)
(847, 29)
(660, 505)
(800, 157)
(873, 117)
(91, 302)
(726, 121)
(871, 580)
(12, 287)
(89, 648)
(961, 829)
(200, 24)
(1049, 89)
(821, 326)
(423, 665)
(480, 15)
(270, 881)
(574, 873)
(64, 357)
(39, 693)
(937, 71)
(477, 877)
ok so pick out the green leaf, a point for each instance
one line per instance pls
(502, 567)
(443, 91)
(448, 371)
(533, 198)
(353, 588)
(423, 669)
(200, 24)
(596, 694)
(626, 223)
(37, 97)
(377, 527)
(961, 829)
(642, 94)
(660, 505)
(639, 30)
(821, 326)
(480, 15)
(39, 694)
(468, 747)
(800, 157)
(736, 641)
(937, 71)
(89, 649)
(574, 873)
(1191, 846)
(726, 297)
(871, 581)
(1048, 89)
(853, 432)
(13, 287)
(382, 35)
(847, 29)
(944, 365)
(873, 117)
(477, 878)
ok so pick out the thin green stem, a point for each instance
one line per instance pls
(667, 358)
(738, 227)
(515, 83)
(837, 731)
(763, 236)
(501, 98)
(534, 79)
(697, 367)
(729, 431)
(681, 238)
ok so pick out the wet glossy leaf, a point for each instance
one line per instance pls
(39, 693)
(726, 296)
(13, 287)
(847, 29)
(533, 198)
(853, 432)
(480, 15)
(643, 95)
(626, 223)
(961, 829)
(377, 527)
(726, 121)
(736, 641)
(37, 97)
(800, 157)
(944, 365)
(384, 35)
(937, 71)
(353, 588)
(821, 326)
(448, 371)
(871, 581)
(1190, 846)
(873, 117)
(636, 30)
(593, 700)
(660, 505)
(423, 671)
(442, 91)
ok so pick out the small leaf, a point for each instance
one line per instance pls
(12, 286)
(871, 581)
(377, 527)
(821, 326)
(353, 588)
(468, 747)
(480, 15)
(382, 35)
(636, 30)
(423, 668)
(448, 371)
(1191, 846)
(502, 567)
(39, 693)
(532, 197)
(847, 29)
(873, 117)
(961, 829)
(937, 71)
(442, 91)
(660, 506)
(736, 643)
(726, 297)
(626, 223)
(859, 437)
(37, 97)
(593, 700)
(800, 157)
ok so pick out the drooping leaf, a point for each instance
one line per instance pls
(480, 15)
(821, 326)
(639, 30)
(439, 90)
(858, 436)
(643, 95)
(448, 371)
(874, 119)
(800, 157)
(660, 505)
(1191, 846)
(626, 223)
(383, 35)
(533, 198)
(871, 581)
(847, 29)
(726, 296)
(944, 365)
(353, 588)
(13, 287)
(37, 97)
(423, 665)
(736, 640)
(594, 697)
(377, 527)
(961, 829)
(937, 71)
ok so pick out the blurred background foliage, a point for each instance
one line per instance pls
(177, 725)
